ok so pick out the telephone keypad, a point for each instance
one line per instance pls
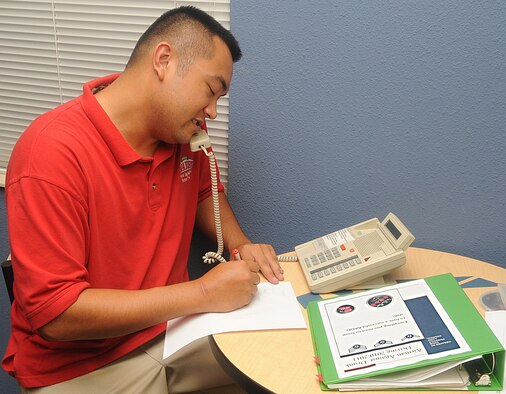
(329, 268)
(322, 257)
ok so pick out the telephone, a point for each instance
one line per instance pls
(355, 254)
(338, 260)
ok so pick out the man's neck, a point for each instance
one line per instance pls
(123, 103)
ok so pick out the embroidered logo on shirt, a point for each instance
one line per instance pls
(185, 168)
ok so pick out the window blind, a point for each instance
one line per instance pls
(49, 48)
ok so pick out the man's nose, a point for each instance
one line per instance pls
(211, 110)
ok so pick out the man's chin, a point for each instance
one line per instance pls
(185, 137)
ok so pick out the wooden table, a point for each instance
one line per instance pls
(281, 361)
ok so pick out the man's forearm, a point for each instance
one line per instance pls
(106, 313)
(233, 235)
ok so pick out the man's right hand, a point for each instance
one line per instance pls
(230, 285)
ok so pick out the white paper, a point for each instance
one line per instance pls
(447, 375)
(273, 307)
(337, 238)
(454, 378)
(497, 322)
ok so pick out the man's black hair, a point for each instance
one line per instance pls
(179, 16)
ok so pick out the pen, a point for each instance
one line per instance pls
(236, 255)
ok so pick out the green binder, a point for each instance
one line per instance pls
(468, 321)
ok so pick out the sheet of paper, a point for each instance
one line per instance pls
(382, 329)
(447, 375)
(497, 322)
(273, 307)
(454, 378)
(335, 239)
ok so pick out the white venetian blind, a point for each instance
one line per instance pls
(49, 48)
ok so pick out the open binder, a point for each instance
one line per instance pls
(466, 355)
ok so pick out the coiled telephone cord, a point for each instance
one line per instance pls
(214, 257)
(287, 258)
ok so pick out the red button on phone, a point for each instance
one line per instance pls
(343, 247)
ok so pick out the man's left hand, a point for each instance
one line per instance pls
(266, 257)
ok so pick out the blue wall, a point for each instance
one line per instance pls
(346, 110)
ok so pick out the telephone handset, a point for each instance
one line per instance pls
(200, 140)
(338, 260)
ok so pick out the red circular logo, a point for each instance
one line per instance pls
(345, 309)
(379, 301)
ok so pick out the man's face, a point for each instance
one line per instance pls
(190, 98)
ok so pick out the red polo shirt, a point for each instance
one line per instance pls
(85, 210)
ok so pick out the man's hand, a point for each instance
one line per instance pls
(230, 285)
(266, 258)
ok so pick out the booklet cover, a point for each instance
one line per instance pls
(411, 335)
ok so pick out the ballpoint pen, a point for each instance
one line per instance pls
(236, 255)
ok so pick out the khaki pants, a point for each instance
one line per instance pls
(191, 369)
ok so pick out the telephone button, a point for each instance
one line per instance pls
(345, 265)
(320, 274)
(352, 263)
(314, 260)
(328, 255)
(359, 261)
(333, 269)
(327, 272)
(339, 267)
(321, 257)
(314, 277)
(335, 251)
(343, 247)
(308, 263)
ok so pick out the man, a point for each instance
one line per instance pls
(102, 196)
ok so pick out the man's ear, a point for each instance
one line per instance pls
(163, 58)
